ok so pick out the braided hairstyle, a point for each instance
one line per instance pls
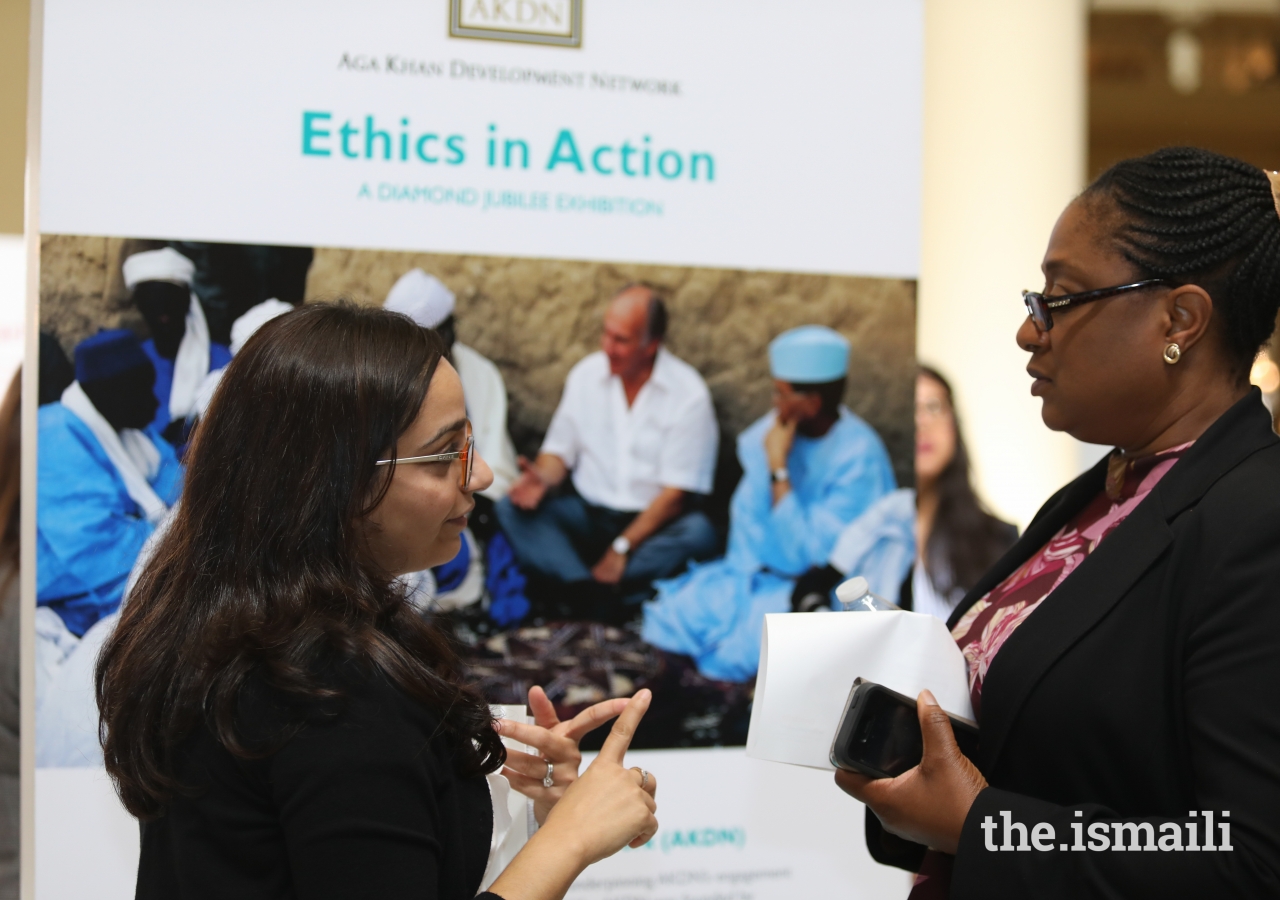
(1196, 217)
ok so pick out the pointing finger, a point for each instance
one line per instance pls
(553, 746)
(544, 711)
(593, 717)
(619, 739)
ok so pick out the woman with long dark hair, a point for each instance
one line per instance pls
(281, 721)
(1122, 656)
(957, 539)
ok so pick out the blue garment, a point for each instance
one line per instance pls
(505, 583)
(451, 574)
(879, 545)
(88, 529)
(715, 612)
(219, 356)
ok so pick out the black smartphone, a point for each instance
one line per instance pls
(879, 734)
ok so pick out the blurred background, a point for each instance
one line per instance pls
(1183, 72)
(1024, 102)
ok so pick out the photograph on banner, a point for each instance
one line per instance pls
(645, 426)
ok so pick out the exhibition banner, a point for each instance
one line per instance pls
(508, 167)
(712, 134)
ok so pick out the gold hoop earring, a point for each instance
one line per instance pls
(1172, 354)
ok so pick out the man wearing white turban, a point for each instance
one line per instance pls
(425, 299)
(179, 346)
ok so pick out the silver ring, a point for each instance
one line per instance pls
(548, 781)
(644, 778)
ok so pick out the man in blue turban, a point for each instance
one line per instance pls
(809, 467)
(106, 477)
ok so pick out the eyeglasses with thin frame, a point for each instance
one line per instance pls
(932, 409)
(467, 455)
(1040, 306)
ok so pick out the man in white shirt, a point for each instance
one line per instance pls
(635, 435)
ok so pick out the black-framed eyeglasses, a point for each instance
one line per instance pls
(467, 455)
(1040, 306)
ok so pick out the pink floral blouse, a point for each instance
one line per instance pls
(984, 628)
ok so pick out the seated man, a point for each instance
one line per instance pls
(179, 346)
(636, 431)
(809, 467)
(105, 478)
(425, 299)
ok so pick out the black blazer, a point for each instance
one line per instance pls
(1146, 686)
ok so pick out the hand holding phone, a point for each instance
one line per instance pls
(930, 797)
(879, 734)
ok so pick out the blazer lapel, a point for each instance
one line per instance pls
(1106, 575)
(1065, 616)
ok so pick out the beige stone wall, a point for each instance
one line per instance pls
(82, 288)
(535, 318)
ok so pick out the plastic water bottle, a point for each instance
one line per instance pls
(855, 596)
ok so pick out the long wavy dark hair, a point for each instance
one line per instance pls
(263, 572)
(966, 538)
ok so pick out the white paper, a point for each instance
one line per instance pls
(808, 663)
(511, 809)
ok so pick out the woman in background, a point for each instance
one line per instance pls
(10, 492)
(274, 711)
(957, 540)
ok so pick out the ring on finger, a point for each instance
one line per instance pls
(547, 780)
(644, 778)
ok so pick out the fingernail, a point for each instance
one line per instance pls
(928, 697)
(500, 724)
(644, 693)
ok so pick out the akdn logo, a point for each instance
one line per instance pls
(556, 22)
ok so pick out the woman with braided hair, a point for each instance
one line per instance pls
(1123, 656)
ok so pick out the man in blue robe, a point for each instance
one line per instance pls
(179, 348)
(105, 479)
(809, 468)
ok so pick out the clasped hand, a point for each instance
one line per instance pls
(927, 804)
(558, 744)
(608, 808)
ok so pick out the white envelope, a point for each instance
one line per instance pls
(808, 662)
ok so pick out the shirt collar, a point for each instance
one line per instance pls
(660, 377)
